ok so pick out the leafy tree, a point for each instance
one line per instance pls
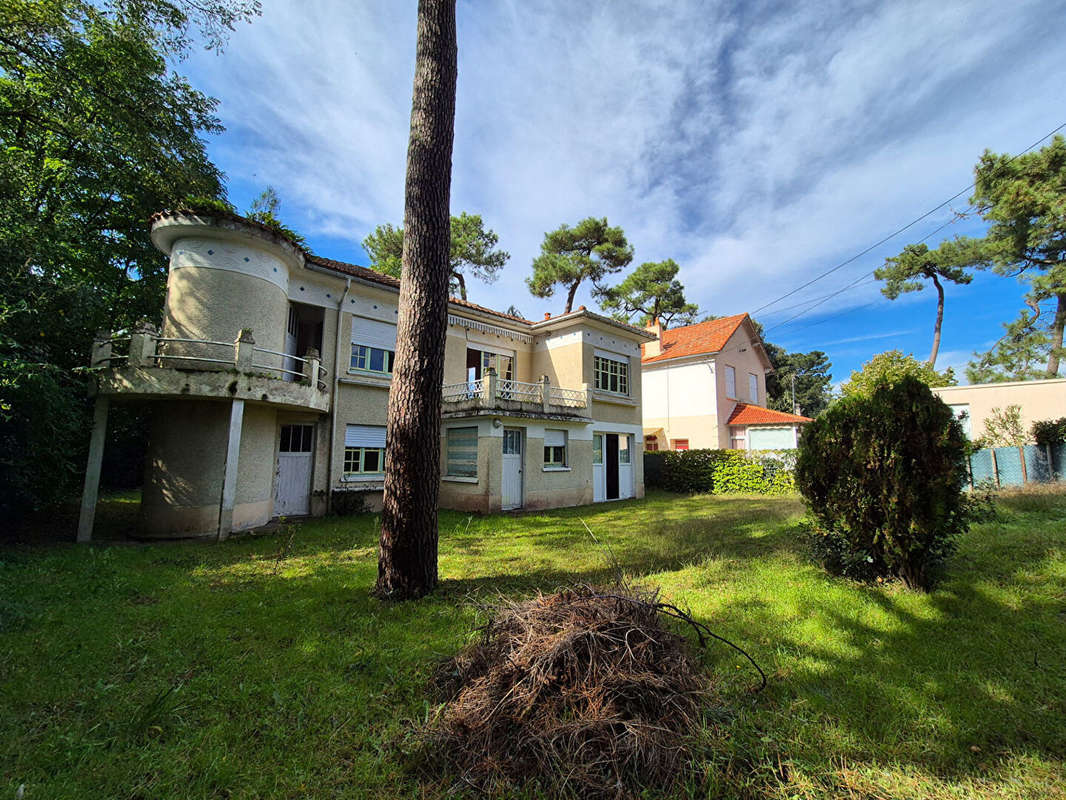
(652, 293)
(473, 250)
(514, 312)
(1003, 428)
(96, 134)
(407, 554)
(890, 368)
(808, 373)
(1023, 199)
(265, 208)
(587, 252)
(1017, 356)
(908, 272)
(1049, 431)
(882, 473)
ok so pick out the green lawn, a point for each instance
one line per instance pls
(260, 667)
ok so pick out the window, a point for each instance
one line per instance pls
(512, 442)
(738, 441)
(372, 359)
(296, 438)
(731, 383)
(624, 456)
(364, 450)
(611, 375)
(753, 388)
(962, 414)
(554, 448)
(679, 444)
(651, 443)
(461, 452)
(597, 449)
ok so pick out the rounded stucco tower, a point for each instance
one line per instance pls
(226, 275)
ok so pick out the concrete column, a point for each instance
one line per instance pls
(101, 356)
(142, 346)
(489, 388)
(91, 489)
(312, 366)
(243, 349)
(229, 480)
(545, 393)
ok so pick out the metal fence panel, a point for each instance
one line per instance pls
(1004, 466)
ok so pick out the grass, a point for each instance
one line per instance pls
(260, 667)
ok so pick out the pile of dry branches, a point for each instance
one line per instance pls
(583, 692)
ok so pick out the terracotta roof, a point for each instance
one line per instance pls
(747, 414)
(694, 340)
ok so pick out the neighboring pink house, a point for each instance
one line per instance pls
(704, 386)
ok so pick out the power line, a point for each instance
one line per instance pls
(898, 231)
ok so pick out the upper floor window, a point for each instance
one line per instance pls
(753, 388)
(730, 383)
(651, 442)
(611, 375)
(372, 359)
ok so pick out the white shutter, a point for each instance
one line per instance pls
(364, 436)
(555, 438)
(372, 333)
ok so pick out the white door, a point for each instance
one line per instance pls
(599, 480)
(625, 466)
(293, 493)
(511, 489)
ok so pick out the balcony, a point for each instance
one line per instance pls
(493, 395)
(145, 365)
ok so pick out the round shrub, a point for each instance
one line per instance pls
(883, 475)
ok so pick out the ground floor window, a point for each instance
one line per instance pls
(651, 443)
(364, 450)
(738, 441)
(461, 452)
(555, 448)
(679, 444)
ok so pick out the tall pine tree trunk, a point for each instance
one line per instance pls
(1057, 325)
(939, 321)
(407, 557)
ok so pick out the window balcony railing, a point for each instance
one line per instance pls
(145, 348)
(492, 392)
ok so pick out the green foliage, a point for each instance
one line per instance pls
(1003, 428)
(344, 504)
(720, 471)
(96, 134)
(1023, 199)
(264, 210)
(473, 251)
(882, 474)
(1049, 431)
(916, 264)
(813, 381)
(652, 292)
(1017, 356)
(587, 252)
(890, 368)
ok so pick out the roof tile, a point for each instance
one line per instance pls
(747, 414)
(694, 340)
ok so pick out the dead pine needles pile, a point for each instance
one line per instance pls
(582, 693)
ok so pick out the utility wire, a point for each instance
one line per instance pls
(898, 231)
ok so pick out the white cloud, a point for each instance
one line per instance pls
(755, 145)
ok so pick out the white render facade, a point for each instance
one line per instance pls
(269, 382)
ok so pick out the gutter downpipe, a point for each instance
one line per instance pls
(336, 389)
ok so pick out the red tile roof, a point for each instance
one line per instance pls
(747, 414)
(695, 340)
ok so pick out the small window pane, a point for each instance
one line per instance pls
(623, 450)
(597, 449)
(371, 461)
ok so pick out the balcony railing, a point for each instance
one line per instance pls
(492, 392)
(144, 348)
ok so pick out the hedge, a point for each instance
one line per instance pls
(721, 471)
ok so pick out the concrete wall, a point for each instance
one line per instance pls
(1039, 400)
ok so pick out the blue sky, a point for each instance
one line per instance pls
(757, 144)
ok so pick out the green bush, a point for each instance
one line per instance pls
(883, 476)
(1049, 431)
(720, 471)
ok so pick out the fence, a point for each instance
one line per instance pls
(1013, 466)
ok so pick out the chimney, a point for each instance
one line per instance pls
(547, 315)
(654, 348)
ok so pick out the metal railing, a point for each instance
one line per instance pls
(163, 344)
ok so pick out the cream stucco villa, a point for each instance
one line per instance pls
(269, 383)
(704, 386)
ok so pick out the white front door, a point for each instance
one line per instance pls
(292, 496)
(511, 489)
(625, 466)
(599, 480)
